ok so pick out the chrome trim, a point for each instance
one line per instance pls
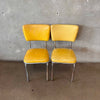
(36, 63)
(47, 72)
(30, 43)
(52, 74)
(72, 77)
(26, 73)
(54, 44)
(71, 45)
(46, 44)
(63, 63)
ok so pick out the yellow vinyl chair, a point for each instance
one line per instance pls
(63, 55)
(36, 32)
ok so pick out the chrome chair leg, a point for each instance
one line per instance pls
(72, 77)
(47, 73)
(52, 74)
(26, 72)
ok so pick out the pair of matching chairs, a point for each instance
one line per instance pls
(38, 32)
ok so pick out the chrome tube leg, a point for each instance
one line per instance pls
(46, 44)
(26, 72)
(72, 77)
(47, 72)
(30, 44)
(52, 75)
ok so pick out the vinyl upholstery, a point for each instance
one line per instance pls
(63, 55)
(36, 32)
(64, 32)
(36, 55)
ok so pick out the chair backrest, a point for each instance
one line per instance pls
(64, 32)
(36, 32)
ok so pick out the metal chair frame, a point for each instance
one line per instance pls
(52, 69)
(47, 68)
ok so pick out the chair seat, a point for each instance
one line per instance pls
(36, 55)
(63, 55)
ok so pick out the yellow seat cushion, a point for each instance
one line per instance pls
(36, 55)
(63, 55)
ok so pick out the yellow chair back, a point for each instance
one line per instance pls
(36, 32)
(64, 32)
